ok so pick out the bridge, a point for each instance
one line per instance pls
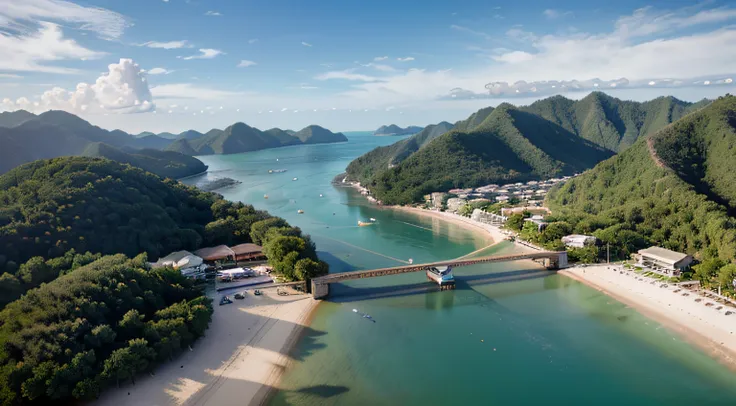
(551, 260)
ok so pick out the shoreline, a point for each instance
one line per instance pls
(239, 361)
(702, 327)
(486, 230)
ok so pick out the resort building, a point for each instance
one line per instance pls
(187, 263)
(488, 218)
(220, 253)
(578, 240)
(664, 261)
(248, 252)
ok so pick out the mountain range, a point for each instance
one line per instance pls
(393, 129)
(26, 137)
(674, 188)
(241, 137)
(551, 137)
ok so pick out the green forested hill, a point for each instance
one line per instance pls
(674, 189)
(610, 122)
(15, 118)
(102, 324)
(64, 211)
(241, 137)
(506, 145)
(166, 164)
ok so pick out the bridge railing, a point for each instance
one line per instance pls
(551, 255)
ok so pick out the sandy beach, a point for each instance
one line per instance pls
(701, 325)
(486, 230)
(238, 362)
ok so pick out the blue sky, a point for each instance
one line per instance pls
(348, 65)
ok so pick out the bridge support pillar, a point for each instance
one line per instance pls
(320, 290)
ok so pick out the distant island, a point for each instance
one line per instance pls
(393, 129)
(241, 137)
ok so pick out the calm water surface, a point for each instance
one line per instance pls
(509, 334)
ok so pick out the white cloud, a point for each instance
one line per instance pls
(646, 21)
(379, 67)
(177, 91)
(205, 53)
(107, 24)
(471, 31)
(623, 58)
(407, 59)
(380, 58)
(213, 13)
(10, 76)
(159, 71)
(306, 44)
(552, 13)
(346, 75)
(253, 40)
(32, 51)
(123, 89)
(166, 45)
(245, 63)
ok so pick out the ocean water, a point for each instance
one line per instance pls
(510, 334)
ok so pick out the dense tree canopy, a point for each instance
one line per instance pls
(104, 323)
(674, 189)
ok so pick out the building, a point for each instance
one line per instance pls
(664, 261)
(248, 252)
(488, 218)
(578, 240)
(453, 204)
(187, 263)
(220, 253)
(539, 221)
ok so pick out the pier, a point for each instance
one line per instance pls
(552, 260)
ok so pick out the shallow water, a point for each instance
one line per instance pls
(510, 334)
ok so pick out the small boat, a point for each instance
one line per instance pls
(411, 261)
(372, 219)
(363, 223)
(300, 211)
(295, 179)
(320, 195)
(265, 196)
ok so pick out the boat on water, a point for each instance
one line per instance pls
(300, 211)
(265, 196)
(372, 219)
(442, 275)
(295, 179)
(276, 170)
(364, 223)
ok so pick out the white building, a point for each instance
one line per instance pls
(578, 240)
(664, 261)
(453, 204)
(187, 263)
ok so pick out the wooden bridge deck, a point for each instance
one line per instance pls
(553, 256)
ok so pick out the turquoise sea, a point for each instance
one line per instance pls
(509, 334)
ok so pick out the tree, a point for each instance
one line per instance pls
(465, 210)
(307, 268)
(727, 276)
(286, 266)
(707, 270)
(515, 222)
(275, 250)
(10, 288)
(259, 229)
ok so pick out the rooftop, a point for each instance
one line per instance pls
(214, 253)
(246, 249)
(663, 254)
